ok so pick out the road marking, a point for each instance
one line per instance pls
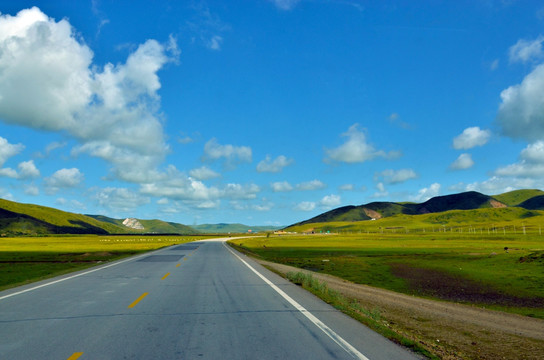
(350, 349)
(70, 277)
(178, 265)
(75, 356)
(137, 300)
(165, 276)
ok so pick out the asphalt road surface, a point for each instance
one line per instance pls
(193, 301)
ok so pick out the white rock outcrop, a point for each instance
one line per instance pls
(133, 224)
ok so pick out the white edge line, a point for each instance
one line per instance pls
(327, 330)
(71, 277)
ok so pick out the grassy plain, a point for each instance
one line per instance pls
(498, 270)
(27, 259)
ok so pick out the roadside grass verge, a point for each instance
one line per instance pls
(498, 272)
(28, 259)
(351, 307)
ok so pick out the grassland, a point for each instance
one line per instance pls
(27, 259)
(498, 270)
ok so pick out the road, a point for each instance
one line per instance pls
(193, 301)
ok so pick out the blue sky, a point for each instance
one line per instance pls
(266, 112)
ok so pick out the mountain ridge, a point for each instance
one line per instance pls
(530, 199)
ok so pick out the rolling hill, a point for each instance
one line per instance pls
(27, 219)
(471, 200)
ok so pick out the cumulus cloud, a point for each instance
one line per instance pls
(8, 150)
(521, 113)
(204, 173)
(119, 199)
(305, 206)
(526, 50)
(426, 193)
(395, 176)
(63, 179)
(274, 166)
(281, 186)
(330, 201)
(346, 187)
(230, 153)
(27, 170)
(176, 186)
(464, 161)
(311, 185)
(356, 149)
(111, 111)
(530, 165)
(471, 137)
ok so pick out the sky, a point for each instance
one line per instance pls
(266, 112)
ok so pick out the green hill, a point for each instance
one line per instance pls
(378, 210)
(28, 219)
(485, 217)
(517, 197)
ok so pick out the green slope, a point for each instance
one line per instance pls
(29, 219)
(517, 197)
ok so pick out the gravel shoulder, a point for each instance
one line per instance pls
(450, 330)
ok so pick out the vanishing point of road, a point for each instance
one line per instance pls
(199, 300)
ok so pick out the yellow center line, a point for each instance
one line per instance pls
(184, 259)
(165, 276)
(178, 265)
(137, 300)
(75, 356)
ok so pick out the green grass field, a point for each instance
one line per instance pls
(27, 259)
(469, 267)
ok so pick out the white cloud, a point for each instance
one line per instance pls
(274, 166)
(382, 191)
(346, 187)
(215, 42)
(311, 185)
(63, 179)
(120, 199)
(396, 176)
(204, 173)
(356, 149)
(8, 150)
(8, 172)
(330, 201)
(526, 50)
(471, 137)
(531, 164)
(32, 190)
(464, 161)
(426, 193)
(232, 154)
(114, 107)
(521, 113)
(305, 206)
(281, 186)
(176, 186)
(27, 170)
(285, 4)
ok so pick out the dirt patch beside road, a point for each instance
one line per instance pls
(450, 330)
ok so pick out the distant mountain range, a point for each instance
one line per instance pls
(527, 199)
(27, 219)
(18, 219)
(232, 228)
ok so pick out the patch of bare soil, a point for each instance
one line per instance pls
(438, 284)
(449, 330)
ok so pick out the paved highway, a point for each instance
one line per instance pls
(193, 301)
